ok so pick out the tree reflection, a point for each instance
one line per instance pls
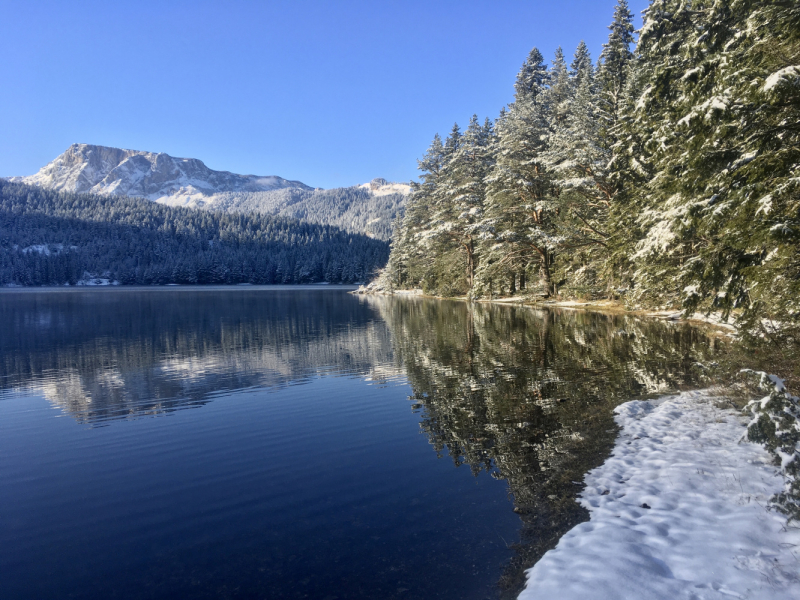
(527, 396)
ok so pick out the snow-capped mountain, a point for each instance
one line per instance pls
(155, 176)
(370, 208)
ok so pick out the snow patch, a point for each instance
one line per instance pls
(380, 187)
(788, 75)
(677, 512)
(765, 204)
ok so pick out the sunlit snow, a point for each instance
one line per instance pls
(680, 511)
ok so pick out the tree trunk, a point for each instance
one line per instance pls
(512, 284)
(522, 279)
(470, 250)
(547, 280)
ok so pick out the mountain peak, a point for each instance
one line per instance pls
(158, 176)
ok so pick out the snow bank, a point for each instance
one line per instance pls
(678, 512)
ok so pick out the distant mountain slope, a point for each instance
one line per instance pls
(53, 238)
(357, 209)
(370, 208)
(155, 176)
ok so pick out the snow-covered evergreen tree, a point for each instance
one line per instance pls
(458, 208)
(410, 248)
(671, 172)
(612, 70)
(581, 65)
(520, 208)
(578, 158)
(720, 107)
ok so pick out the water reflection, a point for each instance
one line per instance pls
(527, 395)
(513, 393)
(109, 354)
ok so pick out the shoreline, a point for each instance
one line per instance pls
(604, 306)
(685, 507)
(680, 510)
(242, 287)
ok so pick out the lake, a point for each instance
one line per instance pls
(304, 442)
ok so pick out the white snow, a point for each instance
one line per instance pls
(155, 176)
(765, 204)
(789, 75)
(708, 534)
(660, 235)
(387, 188)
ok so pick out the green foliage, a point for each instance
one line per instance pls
(776, 425)
(719, 110)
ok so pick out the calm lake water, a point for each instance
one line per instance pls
(303, 442)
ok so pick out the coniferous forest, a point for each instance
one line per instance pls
(56, 238)
(665, 174)
(352, 209)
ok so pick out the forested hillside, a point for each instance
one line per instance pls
(53, 238)
(665, 175)
(353, 209)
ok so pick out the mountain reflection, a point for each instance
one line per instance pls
(527, 395)
(109, 354)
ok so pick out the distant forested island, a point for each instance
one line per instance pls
(56, 238)
(668, 175)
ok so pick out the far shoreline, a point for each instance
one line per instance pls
(182, 288)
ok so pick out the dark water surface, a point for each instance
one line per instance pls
(303, 443)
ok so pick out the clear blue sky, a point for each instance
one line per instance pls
(332, 93)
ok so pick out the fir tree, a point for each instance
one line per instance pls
(612, 70)
(721, 100)
(520, 209)
(581, 66)
(577, 157)
(459, 203)
(411, 244)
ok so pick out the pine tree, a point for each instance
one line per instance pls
(520, 209)
(612, 70)
(460, 198)
(577, 157)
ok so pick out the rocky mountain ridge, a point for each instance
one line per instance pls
(370, 208)
(86, 168)
(157, 176)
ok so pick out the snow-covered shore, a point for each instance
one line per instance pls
(679, 511)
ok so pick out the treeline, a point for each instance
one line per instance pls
(53, 238)
(353, 209)
(664, 176)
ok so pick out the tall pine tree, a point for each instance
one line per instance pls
(520, 208)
